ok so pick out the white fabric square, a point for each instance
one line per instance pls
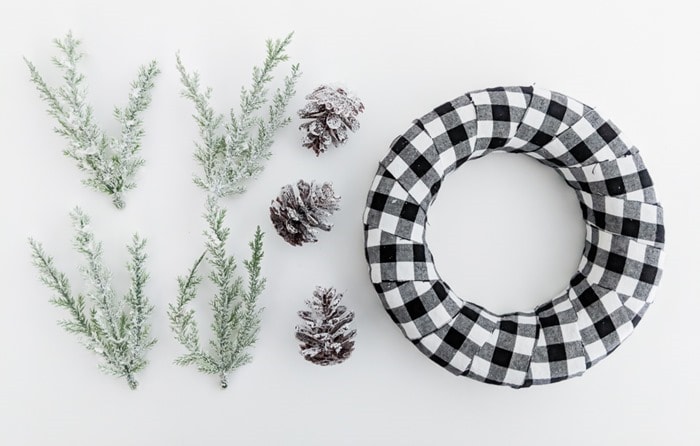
(410, 330)
(534, 118)
(514, 377)
(648, 213)
(435, 127)
(479, 335)
(422, 142)
(540, 370)
(419, 191)
(397, 167)
(389, 222)
(439, 313)
(516, 99)
(481, 97)
(626, 285)
(575, 366)
(595, 350)
(431, 342)
(523, 345)
(447, 159)
(556, 148)
(466, 113)
(583, 129)
(393, 298)
(460, 361)
(484, 129)
(480, 366)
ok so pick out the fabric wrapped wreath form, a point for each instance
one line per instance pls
(616, 278)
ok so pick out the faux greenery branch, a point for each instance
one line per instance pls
(110, 163)
(232, 152)
(236, 317)
(117, 330)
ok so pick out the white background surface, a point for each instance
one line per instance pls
(506, 231)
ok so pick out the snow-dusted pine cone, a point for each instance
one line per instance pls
(332, 112)
(325, 335)
(299, 211)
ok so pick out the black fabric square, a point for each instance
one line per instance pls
(660, 234)
(454, 338)
(419, 253)
(556, 110)
(378, 201)
(501, 357)
(577, 279)
(440, 291)
(549, 321)
(509, 326)
(469, 313)
(581, 152)
(645, 179)
(636, 319)
(541, 138)
(409, 211)
(444, 109)
(500, 112)
(630, 227)
(415, 308)
(615, 263)
(495, 143)
(648, 274)
(615, 186)
(599, 218)
(439, 361)
(457, 135)
(420, 166)
(556, 352)
(592, 253)
(400, 143)
(387, 253)
(545, 307)
(607, 133)
(588, 297)
(604, 327)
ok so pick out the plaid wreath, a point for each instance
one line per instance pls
(621, 263)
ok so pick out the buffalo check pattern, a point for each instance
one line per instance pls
(620, 266)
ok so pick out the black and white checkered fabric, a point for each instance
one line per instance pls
(619, 270)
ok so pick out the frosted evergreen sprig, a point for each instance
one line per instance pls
(236, 317)
(233, 152)
(110, 163)
(117, 330)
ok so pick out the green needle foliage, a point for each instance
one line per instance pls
(231, 153)
(117, 330)
(236, 317)
(110, 163)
